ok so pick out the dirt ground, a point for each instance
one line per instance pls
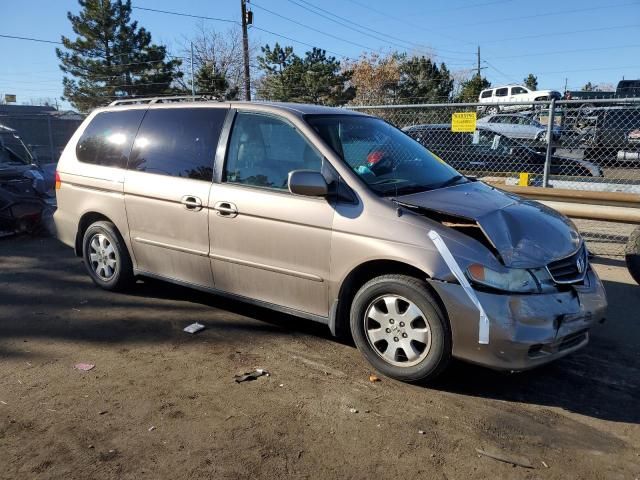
(163, 404)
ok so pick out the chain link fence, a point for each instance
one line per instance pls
(46, 134)
(591, 145)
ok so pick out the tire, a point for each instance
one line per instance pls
(492, 110)
(632, 254)
(106, 257)
(426, 330)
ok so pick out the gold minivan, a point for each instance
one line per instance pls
(329, 215)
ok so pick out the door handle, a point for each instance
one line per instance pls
(191, 202)
(226, 209)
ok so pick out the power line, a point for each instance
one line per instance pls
(508, 77)
(593, 69)
(562, 52)
(553, 13)
(31, 39)
(355, 23)
(343, 23)
(254, 4)
(416, 26)
(555, 34)
(203, 17)
(472, 5)
(296, 41)
(167, 12)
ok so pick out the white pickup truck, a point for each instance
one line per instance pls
(497, 99)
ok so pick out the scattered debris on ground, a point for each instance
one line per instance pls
(85, 367)
(249, 376)
(512, 459)
(194, 328)
(373, 378)
(353, 410)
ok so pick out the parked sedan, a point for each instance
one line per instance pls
(517, 126)
(488, 151)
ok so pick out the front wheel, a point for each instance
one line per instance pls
(400, 329)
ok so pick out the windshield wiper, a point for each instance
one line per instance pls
(451, 181)
(407, 190)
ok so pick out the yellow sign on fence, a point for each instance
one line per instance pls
(463, 122)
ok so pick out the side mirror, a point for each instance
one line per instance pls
(309, 183)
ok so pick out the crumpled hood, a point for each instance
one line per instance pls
(525, 233)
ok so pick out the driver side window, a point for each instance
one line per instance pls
(264, 149)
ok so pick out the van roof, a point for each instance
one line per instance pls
(299, 109)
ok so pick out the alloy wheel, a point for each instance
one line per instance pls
(397, 330)
(102, 257)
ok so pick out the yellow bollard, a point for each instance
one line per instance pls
(524, 180)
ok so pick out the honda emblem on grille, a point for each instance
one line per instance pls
(580, 264)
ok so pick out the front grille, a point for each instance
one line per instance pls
(571, 269)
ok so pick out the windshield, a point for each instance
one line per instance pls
(389, 162)
(13, 151)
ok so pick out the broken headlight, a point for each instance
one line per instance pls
(517, 280)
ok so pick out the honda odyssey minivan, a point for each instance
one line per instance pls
(332, 216)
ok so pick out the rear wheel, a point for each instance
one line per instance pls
(492, 110)
(106, 257)
(399, 327)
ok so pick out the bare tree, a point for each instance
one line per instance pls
(219, 51)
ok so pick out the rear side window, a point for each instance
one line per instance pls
(486, 94)
(502, 92)
(178, 142)
(108, 138)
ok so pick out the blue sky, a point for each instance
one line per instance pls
(582, 40)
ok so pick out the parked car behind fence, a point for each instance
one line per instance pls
(486, 151)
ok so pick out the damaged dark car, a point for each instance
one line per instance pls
(26, 193)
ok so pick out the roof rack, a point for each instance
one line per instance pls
(175, 98)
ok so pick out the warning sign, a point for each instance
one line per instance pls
(463, 122)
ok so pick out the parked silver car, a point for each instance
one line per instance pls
(517, 126)
(329, 215)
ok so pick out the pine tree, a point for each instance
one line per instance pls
(422, 81)
(322, 81)
(283, 71)
(531, 82)
(211, 81)
(471, 88)
(112, 57)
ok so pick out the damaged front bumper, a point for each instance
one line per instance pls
(525, 330)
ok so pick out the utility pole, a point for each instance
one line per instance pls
(193, 87)
(247, 18)
(478, 61)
